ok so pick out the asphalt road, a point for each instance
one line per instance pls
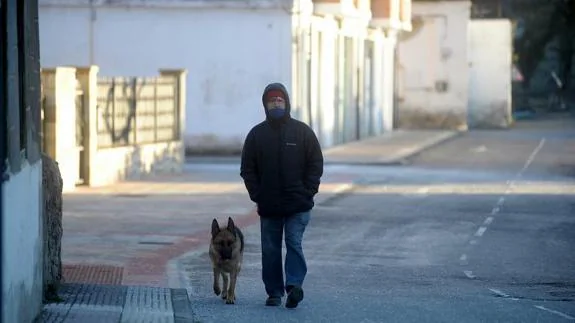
(479, 229)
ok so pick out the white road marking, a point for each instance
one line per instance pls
(510, 185)
(342, 189)
(480, 231)
(469, 274)
(502, 294)
(563, 315)
(479, 149)
(532, 156)
(498, 292)
(423, 190)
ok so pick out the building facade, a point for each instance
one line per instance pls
(335, 57)
(21, 183)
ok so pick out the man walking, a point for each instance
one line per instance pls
(281, 166)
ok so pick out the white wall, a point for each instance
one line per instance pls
(436, 52)
(490, 51)
(230, 55)
(22, 245)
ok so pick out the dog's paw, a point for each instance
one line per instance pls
(231, 299)
(224, 295)
(217, 290)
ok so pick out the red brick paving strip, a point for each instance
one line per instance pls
(151, 269)
(92, 274)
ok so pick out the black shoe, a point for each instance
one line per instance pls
(273, 301)
(295, 295)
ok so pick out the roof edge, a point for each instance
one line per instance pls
(172, 4)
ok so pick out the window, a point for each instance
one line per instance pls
(22, 84)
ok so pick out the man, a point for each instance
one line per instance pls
(281, 166)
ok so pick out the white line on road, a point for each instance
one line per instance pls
(469, 274)
(342, 189)
(423, 190)
(498, 292)
(480, 231)
(532, 156)
(502, 294)
(563, 315)
(510, 185)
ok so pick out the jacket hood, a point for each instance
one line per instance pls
(277, 87)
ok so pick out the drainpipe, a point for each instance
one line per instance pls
(3, 132)
(91, 33)
(395, 107)
(3, 104)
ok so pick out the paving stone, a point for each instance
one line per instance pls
(183, 311)
(101, 295)
(147, 317)
(54, 313)
(94, 314)
(148, 299)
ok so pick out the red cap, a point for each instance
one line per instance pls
(275, 93)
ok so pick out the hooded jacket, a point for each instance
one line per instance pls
(281, 163)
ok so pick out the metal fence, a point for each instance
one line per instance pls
(137, 111)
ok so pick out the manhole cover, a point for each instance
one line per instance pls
(93, 274)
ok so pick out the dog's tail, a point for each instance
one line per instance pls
(241, 236)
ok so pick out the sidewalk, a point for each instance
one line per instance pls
(118, 242)
(392, 148)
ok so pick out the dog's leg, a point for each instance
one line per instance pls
(232, 290)
(225, 286)
(217, 289)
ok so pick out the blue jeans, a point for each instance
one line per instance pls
(295, 265)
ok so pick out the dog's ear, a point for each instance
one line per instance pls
(215, 227)
(231, 224)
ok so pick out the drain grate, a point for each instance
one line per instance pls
(93, 274)
(162, 243)
(131, 195)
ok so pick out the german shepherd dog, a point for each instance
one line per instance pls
(226, 254)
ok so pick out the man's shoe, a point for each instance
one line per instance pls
(273, 301)
(295, 295)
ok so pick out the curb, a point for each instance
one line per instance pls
(433, 144)
(403, 159)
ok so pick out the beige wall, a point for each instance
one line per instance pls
(434, 69)
(104, 166)
(132, 162)
(491, 51)
(60, 86)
